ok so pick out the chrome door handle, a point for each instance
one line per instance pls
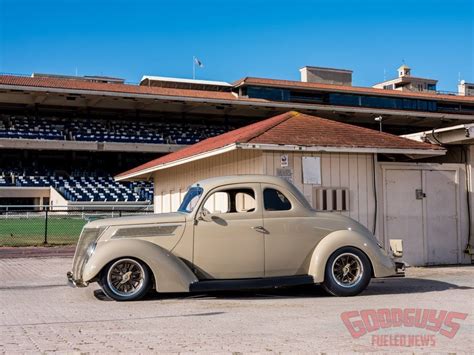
(260, 229)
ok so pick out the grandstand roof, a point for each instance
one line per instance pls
(181, 80)
(287, 132)
(72, 84)
(290, 84)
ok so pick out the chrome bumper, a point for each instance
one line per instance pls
(73, 282)
(399, 269)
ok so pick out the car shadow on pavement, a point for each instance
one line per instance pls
(407, 285)
(389, 286)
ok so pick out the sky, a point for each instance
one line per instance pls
(234, 39)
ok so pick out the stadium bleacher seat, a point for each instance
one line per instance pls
(96, 130)
(84, 188)
(91, 185)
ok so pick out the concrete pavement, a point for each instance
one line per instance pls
(39, 313)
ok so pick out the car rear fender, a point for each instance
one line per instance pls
(382, 264)
(171, 273)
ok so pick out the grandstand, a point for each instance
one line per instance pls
(67, 178)
(84, 189)
(62, 138)
(97, 130)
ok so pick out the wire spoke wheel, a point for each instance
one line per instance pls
(126, 277)
(347, 270)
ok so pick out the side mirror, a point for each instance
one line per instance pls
(203, 215)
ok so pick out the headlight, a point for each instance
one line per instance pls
(90, 249)
(85, 248)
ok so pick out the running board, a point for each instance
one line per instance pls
(250, 284)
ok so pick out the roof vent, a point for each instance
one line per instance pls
(331, 199)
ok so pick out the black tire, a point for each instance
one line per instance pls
(348, 272)
(135, 282)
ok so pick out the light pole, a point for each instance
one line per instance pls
(379, 120)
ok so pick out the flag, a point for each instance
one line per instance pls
(198, 62)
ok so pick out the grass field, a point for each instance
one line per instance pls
(30, 231)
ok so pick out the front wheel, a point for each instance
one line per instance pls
(125, 279)
(348, 272)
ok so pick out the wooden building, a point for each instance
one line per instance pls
(340, 168)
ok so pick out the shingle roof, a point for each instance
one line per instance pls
(293, 128)
(71, 84)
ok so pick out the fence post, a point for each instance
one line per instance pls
(46, 227)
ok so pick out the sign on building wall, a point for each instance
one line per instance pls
(312, 170)
(284, 160)
(285, 173)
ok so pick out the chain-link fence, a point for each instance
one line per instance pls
(42, 225)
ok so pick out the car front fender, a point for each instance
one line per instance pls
(171, 273)
(382, 264)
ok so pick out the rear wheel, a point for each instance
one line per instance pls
(125, 279)
(348, 272)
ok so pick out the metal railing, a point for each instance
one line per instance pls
(43, 225)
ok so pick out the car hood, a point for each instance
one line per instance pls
(173, 217)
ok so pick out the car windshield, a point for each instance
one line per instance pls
(191, 199)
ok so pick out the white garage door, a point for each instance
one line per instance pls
(421, 209)
(441, 217)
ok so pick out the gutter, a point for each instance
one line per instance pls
(324, 149)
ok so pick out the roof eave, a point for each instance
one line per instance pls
(459, 134)
(239, 101)
(146, 171)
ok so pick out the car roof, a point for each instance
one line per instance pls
(210, 183)
(238, 179)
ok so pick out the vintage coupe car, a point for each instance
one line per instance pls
(234, 232)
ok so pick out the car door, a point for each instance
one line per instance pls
(290, 234)
(228, 242)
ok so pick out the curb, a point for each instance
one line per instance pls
(36, 252)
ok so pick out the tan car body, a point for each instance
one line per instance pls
(182, 248)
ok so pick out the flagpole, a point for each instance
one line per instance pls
(194, 67)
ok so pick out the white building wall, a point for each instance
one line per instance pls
(171, 184)
(338, 170)
(470, 186)
(345, 170)
(56, 199)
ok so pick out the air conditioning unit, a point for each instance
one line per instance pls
(331, 199)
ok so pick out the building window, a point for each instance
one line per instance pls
(273, 94)
(344, 99)
(382, 102)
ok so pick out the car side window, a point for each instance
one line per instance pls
(274, 200)
(218, 202)
(231, 201)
